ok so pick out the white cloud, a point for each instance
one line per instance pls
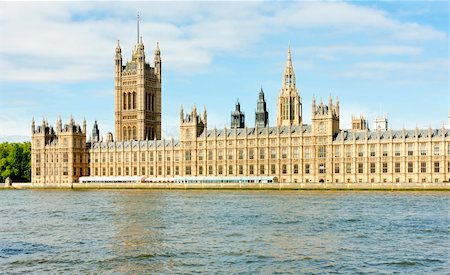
(48, 42)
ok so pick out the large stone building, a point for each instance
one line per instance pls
(291, 150)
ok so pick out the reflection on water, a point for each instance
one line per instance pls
(135, 231)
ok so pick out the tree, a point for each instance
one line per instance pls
(15, 161)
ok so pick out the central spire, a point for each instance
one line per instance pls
(289, 75)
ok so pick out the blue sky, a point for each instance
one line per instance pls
(57, 59)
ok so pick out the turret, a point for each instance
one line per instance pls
(33, 126)
(192, 125)
(84, 125)
(58, 124)
(118, 60)
(261, 114)
(237, 117)
(181, 114)
(325, 118)
(157, 61)
(205, 116)
(95, 133)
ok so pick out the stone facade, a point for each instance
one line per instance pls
(137, 96)
(59, 156)
(291, 151)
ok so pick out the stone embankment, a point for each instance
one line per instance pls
(247, 186)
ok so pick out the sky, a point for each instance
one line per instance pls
(57, 59)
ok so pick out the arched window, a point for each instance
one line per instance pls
(130, 134)
(124, 101)
(134, 133)
(124, 133)
(134, 100)
(129, 100)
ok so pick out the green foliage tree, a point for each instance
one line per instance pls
(15, 161)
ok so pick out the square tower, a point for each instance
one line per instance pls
(137, 96)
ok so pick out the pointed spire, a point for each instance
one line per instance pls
(181, 113)
(118, 49)
(289, 59)
(33, 126)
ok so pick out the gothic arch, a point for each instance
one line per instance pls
(125, 136)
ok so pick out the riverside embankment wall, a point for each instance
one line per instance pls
(241, 186)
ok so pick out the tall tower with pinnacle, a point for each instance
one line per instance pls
(237, 117)
(137, 94)
(289, 107)
(261, 114)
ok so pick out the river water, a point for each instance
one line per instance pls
(224, 232)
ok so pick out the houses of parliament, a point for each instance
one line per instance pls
(292, 150)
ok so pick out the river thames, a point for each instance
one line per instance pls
(225, 232)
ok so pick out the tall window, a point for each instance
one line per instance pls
(250, 154)
(360, 168)
(385, 150)
(307, 153)
(423, 167)
(372, 150)
(322, 152)
(284, 153)
(436, 149)
(337, 152)
(321, 168)
(210, 155)
(385, 167)
(410, 149)
(284, 169)
(436, 167)
(360, 151)
(372, 168)
(273, 153)
(397, 150)
(261, 153)
(295, 152)
(187, 155)
(349, 151)
(423, 149)
(410, 167)
(348, 168)
(336, 168)
(397, 167)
